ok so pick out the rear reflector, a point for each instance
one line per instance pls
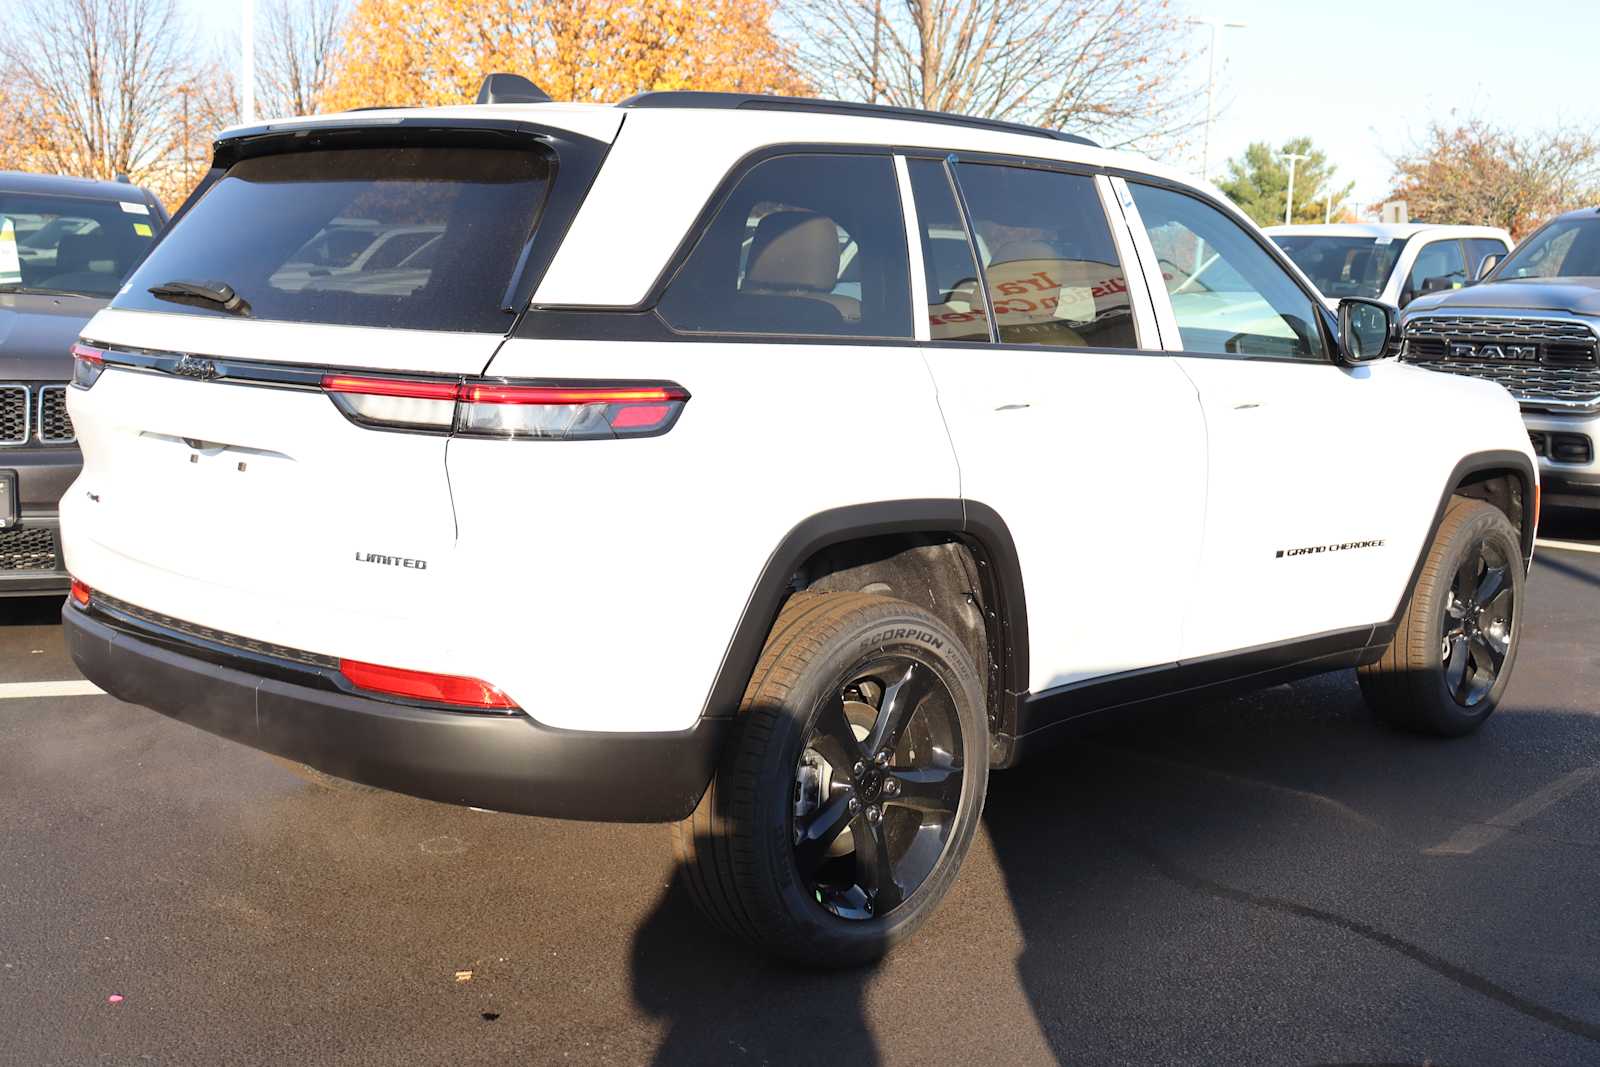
(80, 593)
(87, 365)
(467, 693)
(586, 411)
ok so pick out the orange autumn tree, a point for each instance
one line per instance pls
(427, 52)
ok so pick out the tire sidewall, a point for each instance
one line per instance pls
(1489, 524)
(882, 630)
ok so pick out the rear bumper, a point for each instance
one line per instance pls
(500, 762)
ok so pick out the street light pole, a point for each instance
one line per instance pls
(1288, 203)
(247, 66)
(1211, 87)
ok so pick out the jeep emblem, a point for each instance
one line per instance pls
(202, 369)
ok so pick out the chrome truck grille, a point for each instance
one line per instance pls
(1546, 363)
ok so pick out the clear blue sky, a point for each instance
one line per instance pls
(1362, 78)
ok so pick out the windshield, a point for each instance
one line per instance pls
(404, 237)
(1344, 266)
(1567, 248)
(71, 244)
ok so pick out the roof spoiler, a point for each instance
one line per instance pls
(510, 89)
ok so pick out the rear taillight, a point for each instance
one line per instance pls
(80, 593)
(87, 365)
(566, 412)
(422, 685)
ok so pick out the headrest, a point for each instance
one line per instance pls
(75, 251)
(794, 250)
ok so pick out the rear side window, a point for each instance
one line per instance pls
(408, 237)
(956, 311)
(71, 244)
(1052, 269)
(1439, 266)
(804, 244)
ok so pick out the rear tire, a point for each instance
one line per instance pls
(850, 789)
(1448, 663)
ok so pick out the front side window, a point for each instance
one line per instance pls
(1480, 249)
(1052, 268)
(803, 245)
(69, 244)
(1439, 265)
(1567, 248)
(1344, 266)
(408, 237)
(1229, 295)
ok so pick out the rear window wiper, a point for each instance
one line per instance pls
(214, 294)
(35, 290)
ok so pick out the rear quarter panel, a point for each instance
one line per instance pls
(613, 574)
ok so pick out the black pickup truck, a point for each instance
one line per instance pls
(66, 244)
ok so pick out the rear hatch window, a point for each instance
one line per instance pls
(418, 237)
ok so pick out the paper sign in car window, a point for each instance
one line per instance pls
(134, 209)
(143, 229)
(10, 263)
(1384, 241)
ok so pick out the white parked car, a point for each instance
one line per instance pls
(779, 487)
(1392, 263)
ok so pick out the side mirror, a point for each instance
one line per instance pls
(1366, 328)
(1490, 262)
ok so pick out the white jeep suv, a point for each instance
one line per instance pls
(773, 468)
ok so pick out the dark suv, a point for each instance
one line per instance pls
(66, 244)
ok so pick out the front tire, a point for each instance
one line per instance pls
(852, 785)
(1448, 663)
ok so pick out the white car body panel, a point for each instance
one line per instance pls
(599, 583)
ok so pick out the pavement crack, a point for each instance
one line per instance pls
(1453, 972)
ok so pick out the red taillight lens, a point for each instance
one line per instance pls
(569, 412)
(422, 685)
(590, 411)
(80, 593)
(87, 365)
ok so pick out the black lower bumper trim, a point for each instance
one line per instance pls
(501, 762)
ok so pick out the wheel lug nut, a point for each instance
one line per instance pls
(874, 813)
(892, 787)
(855, 805)
(883, 758)
(859, 769)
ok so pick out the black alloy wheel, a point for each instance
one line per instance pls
(877, 788)
(1479, 614)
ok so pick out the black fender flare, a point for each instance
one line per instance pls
(1497, 461)
(978, 526)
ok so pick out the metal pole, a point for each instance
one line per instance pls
(1211, 87)
(1288, 203)
(247, 66)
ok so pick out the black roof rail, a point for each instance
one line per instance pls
(749, 102)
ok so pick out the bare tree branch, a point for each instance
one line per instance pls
(1103, 67)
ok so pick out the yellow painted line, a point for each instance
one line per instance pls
(25, 690)
(1568, 546)
(1472, 837)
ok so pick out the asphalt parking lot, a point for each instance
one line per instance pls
(1266, 879)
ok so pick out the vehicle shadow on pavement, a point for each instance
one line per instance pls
(1270, 878)
(722, 1003)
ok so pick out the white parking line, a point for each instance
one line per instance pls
(1570, 546)
(23, 690)
(1471, 838)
